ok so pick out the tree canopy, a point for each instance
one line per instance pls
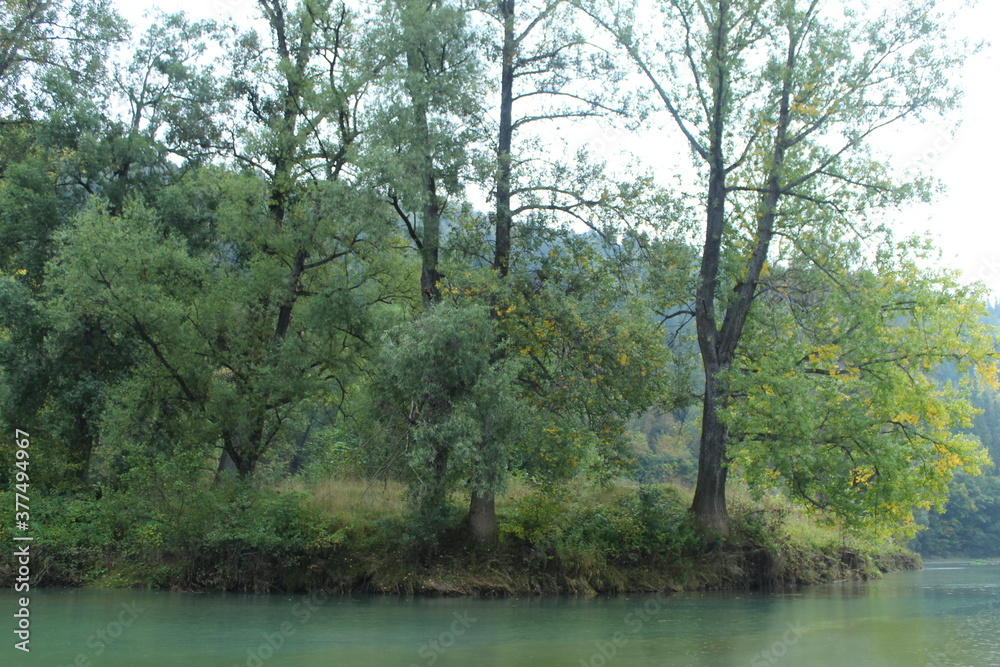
(232, 242)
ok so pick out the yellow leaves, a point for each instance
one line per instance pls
(948, 462)
(988, 373)
(936, 417)
(958, 452)
(824, 353)
(623, 359)
(850, 373)
(862, 476)
(805, 109)
(907, 418)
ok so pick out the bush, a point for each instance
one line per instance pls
(641, 526)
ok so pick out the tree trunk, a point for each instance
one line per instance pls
(483, 519)
(709, 503)
(242, 446)
(430, 277)
(715, 343)
(501, 256)
(482, 505)
(226, 465)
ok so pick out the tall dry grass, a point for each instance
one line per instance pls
(353, 500)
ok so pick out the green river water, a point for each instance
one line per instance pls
(946, 615)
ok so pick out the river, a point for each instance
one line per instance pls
(946, 615)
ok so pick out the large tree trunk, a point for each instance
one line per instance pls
(430, 277)
(483, 519)
(429, 245)
(716, 343)
(482, 505)
(709, 503)
(242, 444)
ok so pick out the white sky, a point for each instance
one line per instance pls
(965, 219)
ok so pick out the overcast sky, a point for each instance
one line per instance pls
(964, 220)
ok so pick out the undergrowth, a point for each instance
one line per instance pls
(350, 535)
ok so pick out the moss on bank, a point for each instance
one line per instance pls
(353, 537)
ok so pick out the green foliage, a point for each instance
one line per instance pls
(38, 38)
(200, 267)
(970, 524)
(592, 356)
(843, 360)
(60, 363)
(222, 358)
(430, 90)
(446, 387)
(644, 525)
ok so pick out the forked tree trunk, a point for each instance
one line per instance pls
(240, 448)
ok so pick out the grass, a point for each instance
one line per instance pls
(353, 535)
(354, 500)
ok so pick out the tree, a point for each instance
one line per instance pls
(431, 78)
(835, 397)
(593, 355)
(776, 103)
(969, 526)
(55, 152)
(208, 369)
(455, 409)
(253, 289)
(173, 99)
(42, 37)
(547, 72)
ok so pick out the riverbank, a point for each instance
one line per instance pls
(355, 537)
